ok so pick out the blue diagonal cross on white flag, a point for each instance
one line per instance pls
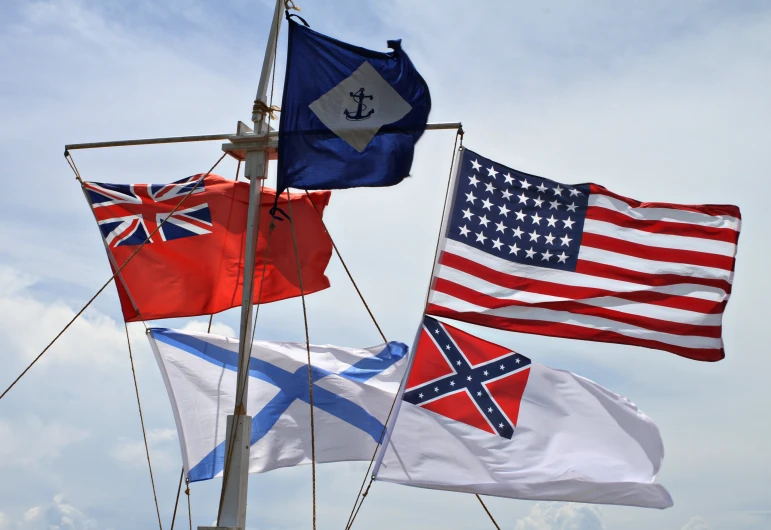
(352, 393)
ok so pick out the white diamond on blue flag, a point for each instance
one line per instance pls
(372, 101)
(350, 117)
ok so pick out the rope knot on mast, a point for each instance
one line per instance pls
(261, 109)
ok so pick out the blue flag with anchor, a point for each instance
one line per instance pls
(353, 390)
(350, 117)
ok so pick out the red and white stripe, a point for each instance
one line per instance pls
(648, 274)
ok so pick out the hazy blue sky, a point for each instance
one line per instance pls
(656, 100)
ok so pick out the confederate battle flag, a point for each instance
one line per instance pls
(480, 418)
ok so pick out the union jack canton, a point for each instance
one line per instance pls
(128, 213)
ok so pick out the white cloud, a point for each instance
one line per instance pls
(664, 102)
(29, 324)
(696, 523)
(561, 516)
(217, 328)
(13, 282)
(57, 515)
(164, 450)
(32, 443)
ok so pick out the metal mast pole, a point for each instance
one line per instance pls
(251, 147)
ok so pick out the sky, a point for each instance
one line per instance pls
(657, 100)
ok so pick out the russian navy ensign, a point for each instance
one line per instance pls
(350, 116)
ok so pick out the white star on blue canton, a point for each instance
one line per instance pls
(470, 197)
(522, 198)
(504, 210)
(542, 188)
(546, 255)
(514, 250)
(549, 239)
(555, 205)
(491, 172)
(518, 233)
(475, 165)
(472, 181)
(506, 194)
(489, 188)
(467, 213)
(509, 178)
(552, 221)
(486, 204)
(538, 202)
(569, 223)
(558, 190)
(483, 221)
(562, 258)
(464, 232)
(520, 215)
(534, 236)
(565, 241)
(530, 253)
(500, 227)
(575, 193)
(572, 207)
(481, 237)
(536, 219)
(497, 244)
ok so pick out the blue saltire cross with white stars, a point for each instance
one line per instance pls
(468, 378)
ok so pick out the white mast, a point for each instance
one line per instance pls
(251, 147)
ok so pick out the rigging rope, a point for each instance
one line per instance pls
(361, 496)
(487, 511)
(350, 276)
(103, 287)
(189, 512)
(176, 501)
(110, 256)
(142, 422)
(308, 350)
(73, 167)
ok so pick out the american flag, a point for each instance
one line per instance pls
(528, 254)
